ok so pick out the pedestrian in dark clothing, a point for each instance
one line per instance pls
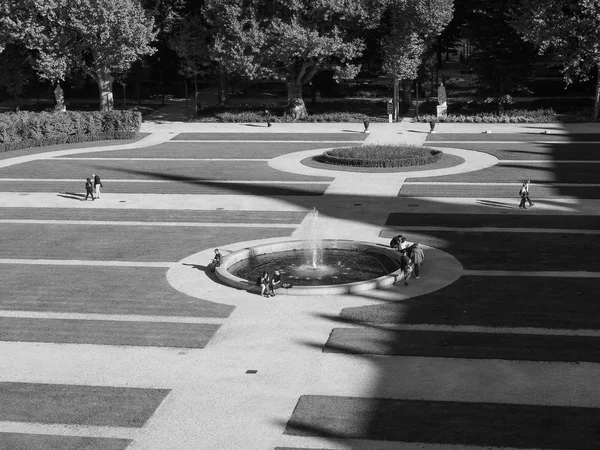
(89, 189)
(524, 193)
(268, 117)
(417, 257)
(97, 184)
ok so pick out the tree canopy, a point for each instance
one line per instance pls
(571, 28)
(99, 37)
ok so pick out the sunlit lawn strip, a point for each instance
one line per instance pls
(140, 291)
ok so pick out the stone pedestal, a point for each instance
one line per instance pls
(442, 110)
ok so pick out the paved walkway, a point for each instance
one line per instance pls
(214, 402)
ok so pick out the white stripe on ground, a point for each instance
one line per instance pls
(70, 430)
(463, 183)
(153, 224)
(251, 141)
(160, 159)
(553, 274)
(497, 330)
(546, 161)
(79, 262)
(497, 229)
(116, 317)
(64, 180)
(433, 143)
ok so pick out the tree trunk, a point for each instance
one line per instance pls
(195, 95)
(407, 92)
(295, 106)
(221, 87)
(105, 88)
(596, 116)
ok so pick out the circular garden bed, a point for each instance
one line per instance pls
(381, 156)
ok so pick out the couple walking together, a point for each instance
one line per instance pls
(93, 184)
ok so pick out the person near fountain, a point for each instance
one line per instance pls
(406, 264)
(417, 257)
(216, 261)
(263, 282)
(395, 242)
(403, 244)
(275, 282)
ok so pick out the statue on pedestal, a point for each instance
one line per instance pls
(59, 97)
(442, 94)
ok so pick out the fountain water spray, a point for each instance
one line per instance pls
(315, 252)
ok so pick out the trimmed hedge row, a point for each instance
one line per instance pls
(511, 116)
(381, 156)
(29, 143)
(30, 129)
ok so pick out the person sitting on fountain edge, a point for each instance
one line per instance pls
(216, 261)
(275, 282)
(264, 283)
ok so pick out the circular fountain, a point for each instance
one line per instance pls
(314, 266)
(333, 267)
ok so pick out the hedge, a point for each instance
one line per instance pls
(32, 129)
(381, 156)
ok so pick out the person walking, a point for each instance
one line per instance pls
(97, 184)
(417, 257)
(89, 189)
(524, 193)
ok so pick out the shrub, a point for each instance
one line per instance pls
(25, 129)
(28, 143)
(381, 156)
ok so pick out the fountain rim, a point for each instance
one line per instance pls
(229, 279)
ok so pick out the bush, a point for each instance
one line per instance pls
(29, 129)
(29, 143)
(381, 156)
(30, 125)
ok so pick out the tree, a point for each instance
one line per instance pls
(501, 59)
(289, 40)
(190, 42)
(237, 40)
(15, 72)
(97, 36)
(413, 25)
(571, 28)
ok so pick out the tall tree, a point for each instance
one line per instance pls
(571, 28)
(413, 26)
(501, 59)
(190, 42)
(290, 40)
(15, 71)
(237, 40)
(99, 37)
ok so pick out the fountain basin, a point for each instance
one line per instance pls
(351, 252)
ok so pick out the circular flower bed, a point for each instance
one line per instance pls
(381, 156)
